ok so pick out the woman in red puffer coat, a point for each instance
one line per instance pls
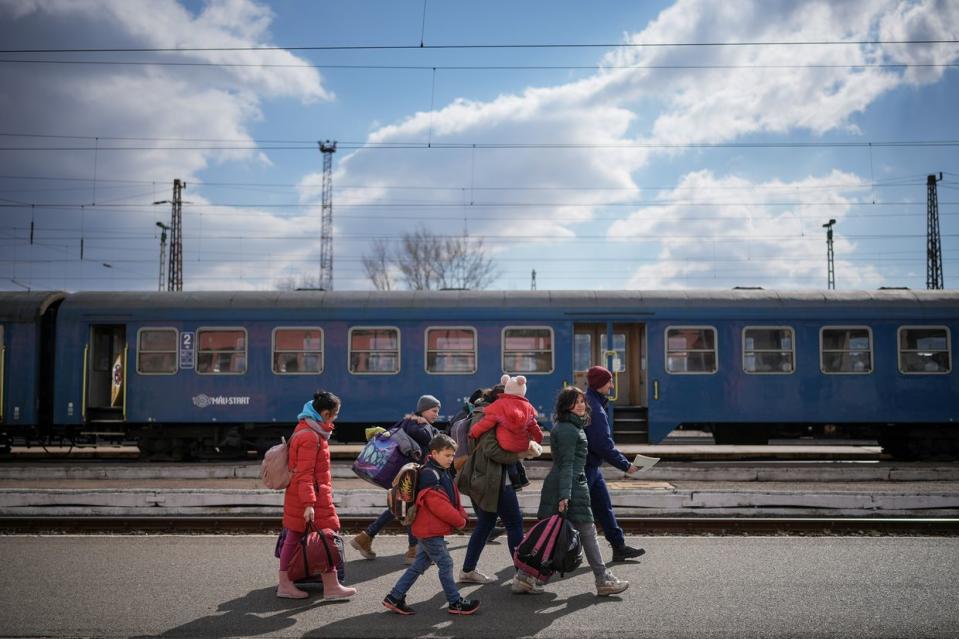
(309, 497)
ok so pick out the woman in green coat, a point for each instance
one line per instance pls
(565, 489)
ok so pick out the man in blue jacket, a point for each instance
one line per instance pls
(601, 448)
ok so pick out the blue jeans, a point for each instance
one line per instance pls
(603, 508)
(507, 508)
(386, 517)
(431, 548)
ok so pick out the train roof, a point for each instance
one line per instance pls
(26, 306)
(591, 300)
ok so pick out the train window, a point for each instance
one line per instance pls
(619, 345)
(221, 351)
(691, 350)
(925, 350)
(157, 351)
(298, 351)
(845, 350)
(451, 350)
(374, 350)
(769, 350)
(582, 351)
(528, 349)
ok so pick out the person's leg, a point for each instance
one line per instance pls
(385, 517)
(509, 511)
(412, 573)
(594, 557)
(484, 523)
(435, 548)
(363, 542)
(285, 587)
(602, 508)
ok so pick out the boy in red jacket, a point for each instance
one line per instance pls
(438, 511)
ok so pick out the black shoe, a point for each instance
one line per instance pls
(464, 607)
(398, 605)
(498, 531)
(625, 552)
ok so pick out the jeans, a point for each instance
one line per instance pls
(386, 517)
(431, 548)
(603, 508)
(587, 537)
(507, 508)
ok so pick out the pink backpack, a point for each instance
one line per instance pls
(275, 468)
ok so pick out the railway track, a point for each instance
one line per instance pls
(646, 526)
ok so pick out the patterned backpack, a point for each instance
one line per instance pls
(401, 497)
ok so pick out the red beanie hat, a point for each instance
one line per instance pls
(597, 377)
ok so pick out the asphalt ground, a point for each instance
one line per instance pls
(223, 586)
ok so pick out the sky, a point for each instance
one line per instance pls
(646, 147)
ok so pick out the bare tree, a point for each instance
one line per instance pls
(425, 261)
(378, 266)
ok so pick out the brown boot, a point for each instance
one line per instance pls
(364, 544)
(410, 555)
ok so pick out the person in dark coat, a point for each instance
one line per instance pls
(419, 426)
(601, 448)
(490, 480)
(565, 489)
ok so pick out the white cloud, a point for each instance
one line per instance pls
(727, 231)
(651, 106)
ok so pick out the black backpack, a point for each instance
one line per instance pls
(568, 550)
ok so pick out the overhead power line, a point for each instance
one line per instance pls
(392, 146)
(525, 45)
(486, 67)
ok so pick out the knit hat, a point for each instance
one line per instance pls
(425, 403)
(514, 385)
(597, 377)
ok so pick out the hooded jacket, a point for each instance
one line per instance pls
(515, 421)
(439, 508)
(312, 481)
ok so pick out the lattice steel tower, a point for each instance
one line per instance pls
(326, 226)
(175, 280)
(164, 228)
(933, 247)
(830, 257)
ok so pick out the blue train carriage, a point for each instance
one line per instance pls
(26, 363)
(750, 365)
(195, 374)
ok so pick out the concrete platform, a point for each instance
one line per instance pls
(675, 448)
(355, 498)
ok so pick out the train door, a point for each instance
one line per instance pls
(3, 379)
(625, 356)
(105, 370)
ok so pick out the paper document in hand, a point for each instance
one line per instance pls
(644, 463)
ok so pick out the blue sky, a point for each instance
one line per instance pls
(644, 199)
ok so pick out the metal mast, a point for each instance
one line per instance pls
(164, 228)
(831, 267)
(326, 226)
(175, 280)
(532, 283)
(933, 247)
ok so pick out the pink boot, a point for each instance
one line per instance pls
(286, 589)
(332, 588)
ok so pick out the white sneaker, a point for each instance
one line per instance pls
(526, 584)
(474, 577)
(610, 585)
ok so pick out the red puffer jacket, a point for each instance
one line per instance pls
(312, 482)
(436, 515)
(515, 421)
